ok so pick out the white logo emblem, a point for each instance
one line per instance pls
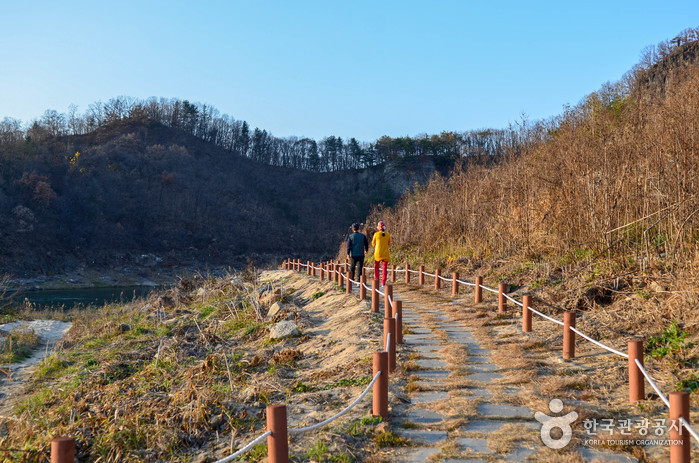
(551, 422)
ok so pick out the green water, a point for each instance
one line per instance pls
(69, 298)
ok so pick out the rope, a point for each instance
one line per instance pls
(466, 283)
(515, 302)
(689, 428)
(414, 271)
(390, 300)
(323, 423)
(429, 274)
(652, 383)
(383, 294)
(246, 448)
(445, 279)
(603, 346)
(366, 286)
(490, 289)
(546, 316)
(388, 341)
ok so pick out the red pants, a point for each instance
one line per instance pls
(384, 268)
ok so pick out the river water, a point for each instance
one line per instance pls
(69, 298)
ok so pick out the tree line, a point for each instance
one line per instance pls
(203, 121)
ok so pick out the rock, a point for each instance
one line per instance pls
(284, 329)
(274, 310)
(215, 421)
(656, 287)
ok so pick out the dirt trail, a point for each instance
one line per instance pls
(14, 376)
(475, 382)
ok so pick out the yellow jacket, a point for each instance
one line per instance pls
(381, 241)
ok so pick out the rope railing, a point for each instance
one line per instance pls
(689, 429)
(467, 283)
(338, 415)
(603, 346)
(245, 449)
(388, 342)
(572, 328)
(652, 383)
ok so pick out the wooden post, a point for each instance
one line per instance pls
(502, 290)
(479, 290)
(437, 280)
(637, 385)
(397, 314)
(375, 295)
(393, 273)
(62, 450)
(278, 441)
(568, 335)
(421, 276)
(380, 388)
(526, 313)
(349, 283)
(407, 273)
(389, 326)
(388, 296)
(362, 288)
(680, 440)
(455, 284)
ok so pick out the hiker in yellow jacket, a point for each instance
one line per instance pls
(381, 241)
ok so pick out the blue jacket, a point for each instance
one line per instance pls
(357, 244)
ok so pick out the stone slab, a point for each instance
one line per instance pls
(422, 436)
(474, 445)
(431, 363)
(422, 416)
(591, 454)
(428, 397)
(505, 411)
(418, 455)
(427, 348)
(483, 377)
(431, 374)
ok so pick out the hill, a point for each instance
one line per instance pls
(600, 217)
(138, 192)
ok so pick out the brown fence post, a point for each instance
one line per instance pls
(362, 288)
(526, 313)
(349, 284)
(389, 326)
(455, 284)
(308, 267)
(502, 290)
(388, 296)
(637, 383)
(407, 272)
(63, 450)
(375, 295)
(421, 276)
(680, 440)
(380, 388)
(393, 273)
(568, 335)
(479, 290)
(437, 280)
(278, 441)
(397, 314)
(322, 272)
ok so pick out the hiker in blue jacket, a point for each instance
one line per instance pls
(357, 246)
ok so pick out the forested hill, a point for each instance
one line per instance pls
(137, 187)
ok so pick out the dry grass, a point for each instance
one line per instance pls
(190, 371)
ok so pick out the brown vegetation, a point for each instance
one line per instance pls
(601, 216)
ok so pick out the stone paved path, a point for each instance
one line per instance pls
(460, 408)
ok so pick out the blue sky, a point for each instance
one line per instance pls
(358, 69)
